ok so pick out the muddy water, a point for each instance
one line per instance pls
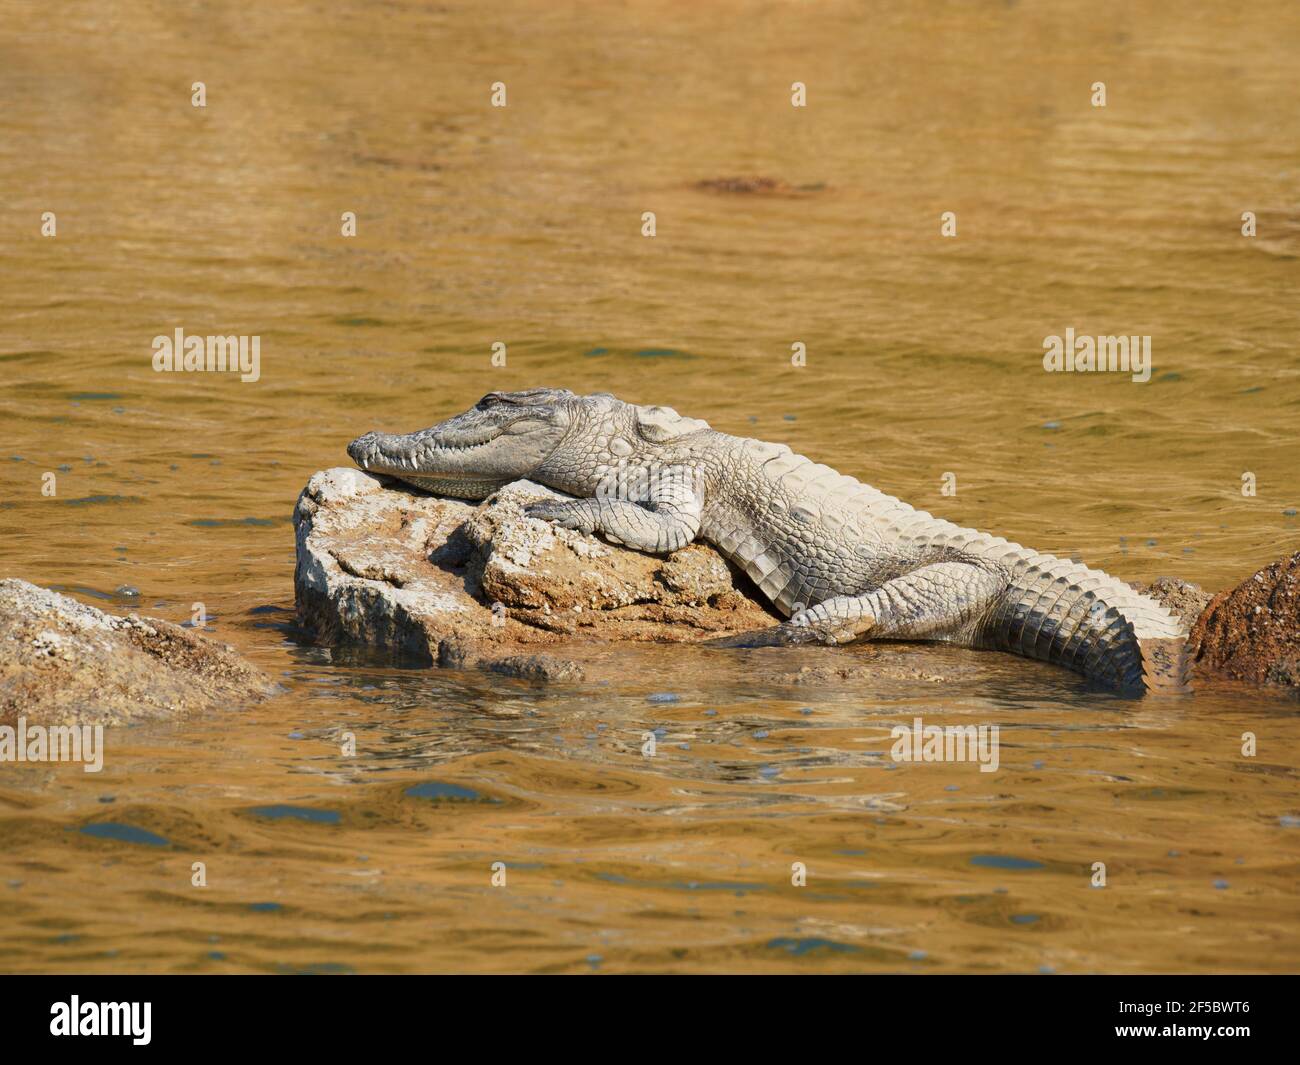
(523, 225)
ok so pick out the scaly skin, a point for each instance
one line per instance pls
(842, 560)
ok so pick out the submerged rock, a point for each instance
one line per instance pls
(383, 567)
(63, 662)
(455, 652)
(536, 667)
(1252, 632)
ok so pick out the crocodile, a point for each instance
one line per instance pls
(841, 560)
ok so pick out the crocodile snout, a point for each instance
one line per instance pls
(361, 449)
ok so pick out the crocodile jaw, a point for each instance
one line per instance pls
(503, 438)
(443, 468)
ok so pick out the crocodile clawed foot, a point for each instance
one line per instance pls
(557, 512)
(836, 621)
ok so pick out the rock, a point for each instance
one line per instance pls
(455, 652)
(408, 575)
(1184, 600)
(1252, 633)
(63, 662)
(536, 667)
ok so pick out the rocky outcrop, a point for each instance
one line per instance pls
(1252, 633)
(1184, 600)
(63, 662)
(408, 575)
(386, 570)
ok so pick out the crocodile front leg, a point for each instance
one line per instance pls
(663, 523)
(934, 601)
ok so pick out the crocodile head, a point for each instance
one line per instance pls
(566, 441)
(503, 437)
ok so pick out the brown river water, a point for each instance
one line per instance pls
(523, 225)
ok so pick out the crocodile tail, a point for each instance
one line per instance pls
(1062, 612)
(1053, 609)
(1166, 665)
